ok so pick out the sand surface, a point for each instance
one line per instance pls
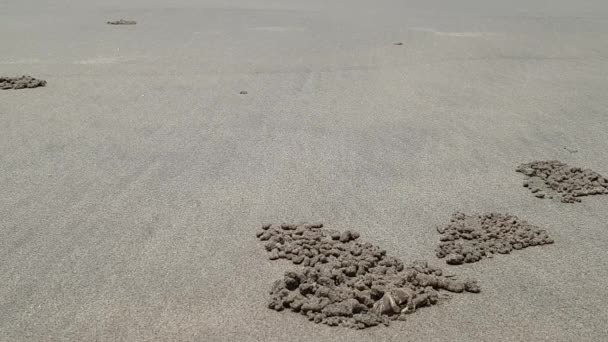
(131, 186)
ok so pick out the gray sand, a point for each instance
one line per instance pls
(131, 185)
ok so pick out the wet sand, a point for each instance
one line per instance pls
(133, 183)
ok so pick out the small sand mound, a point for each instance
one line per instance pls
(554, 179)
(122, 22)
(346, 282)
(20, 82)
(469, 238)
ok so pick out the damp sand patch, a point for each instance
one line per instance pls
(342, 281)
(554, 179)
(471, 238)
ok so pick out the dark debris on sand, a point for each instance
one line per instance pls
(21, 82)
(554, 179)
(469, 238)
(345, 282)
(122, 22)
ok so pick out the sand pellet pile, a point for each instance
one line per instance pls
(122, 22)
(20, 82)
(346, 282)
(469, 238)
(554, 179)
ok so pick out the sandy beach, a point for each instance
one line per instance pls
(133, 183)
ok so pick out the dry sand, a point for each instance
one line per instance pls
(132, 184)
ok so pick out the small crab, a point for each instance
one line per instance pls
(393, 300)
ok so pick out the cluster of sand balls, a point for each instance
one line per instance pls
(549, 179)
(20, 82)
(122, 22)
(346, 282)
(469, 238)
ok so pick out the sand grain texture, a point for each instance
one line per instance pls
(129, 186)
